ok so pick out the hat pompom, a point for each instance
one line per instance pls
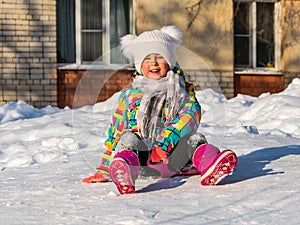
(127, 39)
(174, 32)
(125, 42)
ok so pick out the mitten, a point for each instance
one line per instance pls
(157, 155)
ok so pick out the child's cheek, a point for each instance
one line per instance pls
(145, 68)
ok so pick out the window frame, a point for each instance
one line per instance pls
(253, 44)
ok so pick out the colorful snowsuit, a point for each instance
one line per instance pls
(124, 119)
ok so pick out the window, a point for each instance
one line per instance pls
(89, 29)
(255, 34)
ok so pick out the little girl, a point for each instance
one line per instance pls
(154, 127)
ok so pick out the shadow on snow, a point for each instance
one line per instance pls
(249, 166)
(253, 164)
(164, 183)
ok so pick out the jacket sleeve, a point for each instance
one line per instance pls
(114, 131)
(187, 120)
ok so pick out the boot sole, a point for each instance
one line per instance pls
(222, 167)
(120, 174)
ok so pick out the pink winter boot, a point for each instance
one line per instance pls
(124, 170)
(212, 164)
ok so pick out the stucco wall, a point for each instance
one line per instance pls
(290, 36)
(290, 39)
(207, 33)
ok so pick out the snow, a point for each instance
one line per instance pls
(44, 153)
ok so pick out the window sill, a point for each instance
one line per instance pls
(74, 66)
(258, 71)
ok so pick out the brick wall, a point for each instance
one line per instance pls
(28, 51)
(219, 81)
(77, 88)
(230, 85)
(254, 85)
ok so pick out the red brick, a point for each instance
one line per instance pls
(257, 84)
(105, 81)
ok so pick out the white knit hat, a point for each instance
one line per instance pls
(163, 42)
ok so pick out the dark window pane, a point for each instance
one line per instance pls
(91, 29)
(241, 34)
(119, 26)
(241, 51)
(241, 18)
(91, 14)
(91, 46)
(65, 15)
(265, 34)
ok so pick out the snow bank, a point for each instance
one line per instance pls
(108, 105)
(20, 110)
(268, 114)
(44, 153)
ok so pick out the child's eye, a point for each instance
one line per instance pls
(154, 58)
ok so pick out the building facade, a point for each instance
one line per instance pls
(65, 52)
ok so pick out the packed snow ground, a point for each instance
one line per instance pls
(44, 153)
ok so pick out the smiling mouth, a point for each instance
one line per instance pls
(155, 71)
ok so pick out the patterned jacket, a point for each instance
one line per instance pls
(124, 118)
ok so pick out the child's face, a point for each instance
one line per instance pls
(155, 67)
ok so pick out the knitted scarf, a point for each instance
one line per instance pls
(161, 102)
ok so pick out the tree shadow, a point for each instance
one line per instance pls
(253, 164)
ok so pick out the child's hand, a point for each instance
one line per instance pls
(158, 155)
(96, 178)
